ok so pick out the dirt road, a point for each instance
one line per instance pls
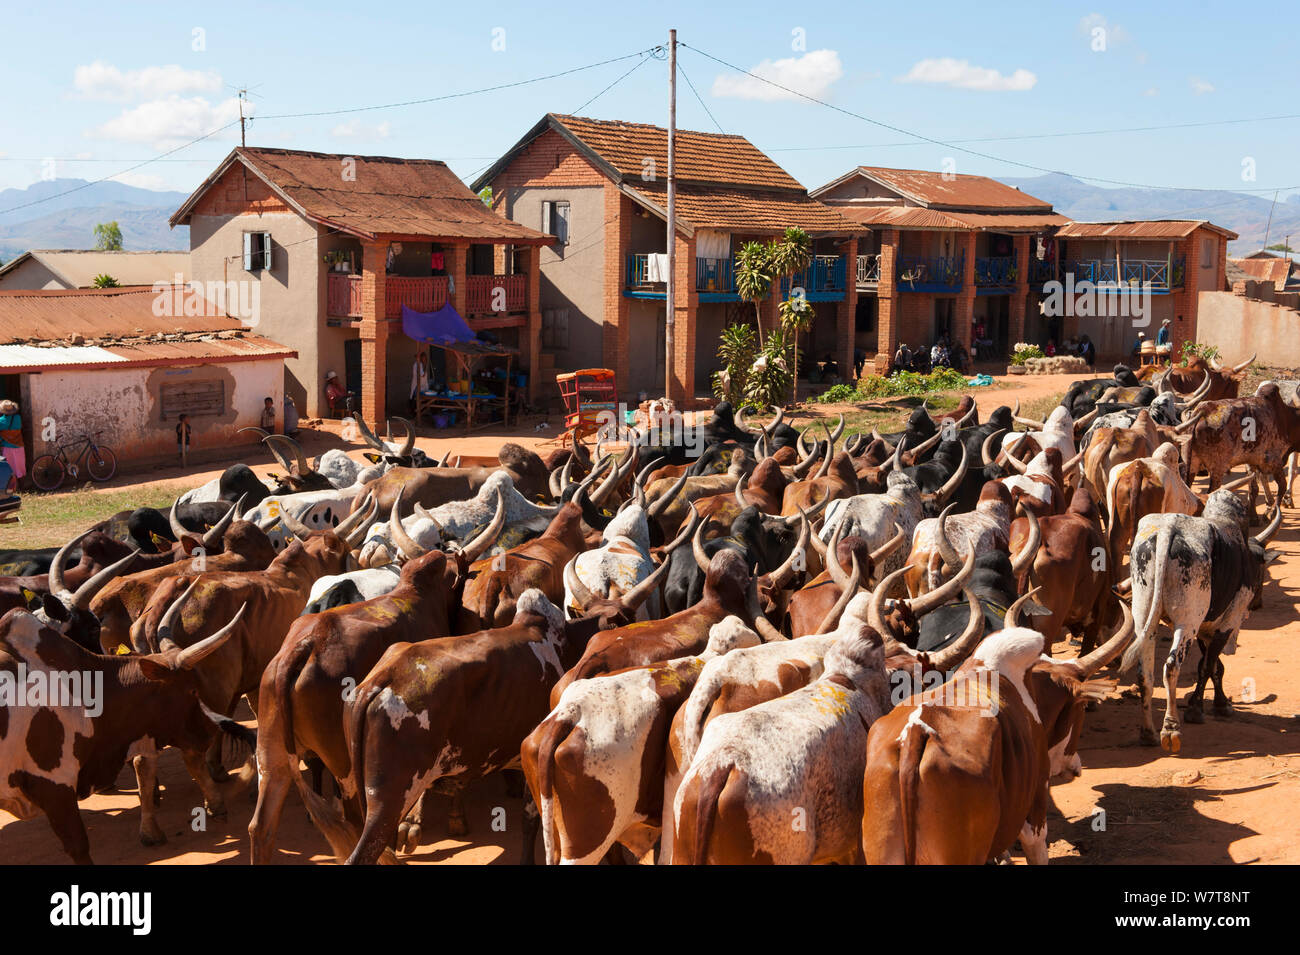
(1227, 797)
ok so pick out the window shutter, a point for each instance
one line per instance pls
(546, 217)
(562, 226)
(266, 250)
(248, 251)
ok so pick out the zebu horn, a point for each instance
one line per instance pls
(191, 657)
(1012, 460)
(369, 435)
(1025, 558)
(405, 543)
(423, 511)
(277, 453)
(850, 590)
(408, 443)
(1015, 416)
(639, 594)
(168, 621)
(969, 414)
(740, 491)
(215, 533)
(1086, 420)
(876, 608)
(579, 591)
(179, 529)
(839, 431)
(833, 565)
(762, 625)
(984, 448)
(950, 486)
(697, 546)
(1239, 482)
(1188, 424)
(1196, 397)
(480, 544)
(889, 546)
(297, 527)
(640, 479)
(1263, 536)
(813, 511)
(830, 452)
(780, 577)
(1112, 648)
(665, 500)
(924, 446)
(353, 527)
(949, 553)
(1012, 618)
(616, 476)
(1238, 369)
(60, 558)
(953, 655)
(936, 598)
(86, 592)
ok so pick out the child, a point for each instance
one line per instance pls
(183, 436)
(268, 416)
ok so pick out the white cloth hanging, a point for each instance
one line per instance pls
(656, 267)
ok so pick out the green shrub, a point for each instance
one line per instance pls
(1195, 349)
(899, 384)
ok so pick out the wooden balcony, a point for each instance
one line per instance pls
(869, 269)
(492, 294)
(482, 296)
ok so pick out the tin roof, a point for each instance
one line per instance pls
(383, 196)
(1140, 229)
(77, 268)
(915, 217)
(1275, 270)
(947, 191)
(29, 359)
(735, 210)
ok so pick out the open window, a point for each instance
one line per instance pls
(555, 220)
(257, 251)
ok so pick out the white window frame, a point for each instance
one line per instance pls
(257, 251)
(556, 219)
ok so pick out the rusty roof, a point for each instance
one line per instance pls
(1274, 270)
(386, 196)
(735, 210)
(58, 314)
(1140, 229)
(179, 350)
(947, 191)
(915, 217)
(77, 268)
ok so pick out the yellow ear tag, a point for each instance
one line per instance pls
(122, 650)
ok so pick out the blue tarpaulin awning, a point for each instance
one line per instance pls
(443, 327)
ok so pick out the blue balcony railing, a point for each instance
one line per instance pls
(995, 271)
(931, 273)
(822, 281)
(1041, 271)
(1152, 274)
(715, 275)
(637, 280)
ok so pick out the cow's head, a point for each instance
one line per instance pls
(68, 611)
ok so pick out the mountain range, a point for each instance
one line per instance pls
(62, 213)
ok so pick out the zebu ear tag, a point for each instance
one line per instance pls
(122, 650)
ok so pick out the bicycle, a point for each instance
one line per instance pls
(50, 470)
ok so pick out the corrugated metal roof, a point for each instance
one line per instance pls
(739, 211)
(1272, 270)
(1140, 229)
(937, 190)
(55, 316)
(78, 267)
(27, 359)
(386, 196)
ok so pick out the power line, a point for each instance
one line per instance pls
(637, 66)
(1026, 136)
(945, 144)
(682, 70)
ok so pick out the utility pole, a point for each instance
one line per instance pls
(242, 94)
(670, 286)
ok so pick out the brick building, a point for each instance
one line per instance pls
(335, 245)
(945, 251)
(599, 188)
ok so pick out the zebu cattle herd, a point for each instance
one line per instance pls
(780, 648)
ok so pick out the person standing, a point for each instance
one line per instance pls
(268, 416)
(419, 379)
(183, 432)
(11, 438)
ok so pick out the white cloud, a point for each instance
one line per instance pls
(103, 81)
(361, 131)
(1199, 86)
(812, 74)
(1151, 92)
(166, 123)
(946, 71)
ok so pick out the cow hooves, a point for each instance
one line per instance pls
(216, 810)
(153, 838)
(1193, 714)
(1171, 742)
(1147, 737)
(456, 826)
(408, 837)
(1223, 710)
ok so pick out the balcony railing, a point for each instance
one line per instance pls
(823, 280)
(995, 271)
(637, 276)
(422, 293)
(931, 273)
(490, 294)
(1041, 271)
(869, 268)
(715, 275)
(1153, 274)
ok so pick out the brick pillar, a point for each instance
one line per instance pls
(887, 316)
(964, 311)
(618, 307)
(530, 257)
(685, 310)
(1020, 297)
(846, 311)
(457, 263)
(1185, 302)
(374, 333)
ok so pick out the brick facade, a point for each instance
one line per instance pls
(239, 193)
(374, 333)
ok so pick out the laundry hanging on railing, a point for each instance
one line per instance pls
(656, 267)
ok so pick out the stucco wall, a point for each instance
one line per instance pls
(30, 275)
(572, 275)
(1240, 326)
(124, 404)
(292, 293)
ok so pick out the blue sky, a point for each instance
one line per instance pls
(99, 91)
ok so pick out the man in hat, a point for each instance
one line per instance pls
(1162, 336)
(1137, 345)
(339, 398)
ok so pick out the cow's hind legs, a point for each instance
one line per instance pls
(1170, 737)
(146, 778)
(383, 814)
(59, 803)
(532, 828)
(1146, 678)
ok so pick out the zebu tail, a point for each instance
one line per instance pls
(911, 749)
(554, 734)
(706, 809)
(1146, 627)
(341, 834)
